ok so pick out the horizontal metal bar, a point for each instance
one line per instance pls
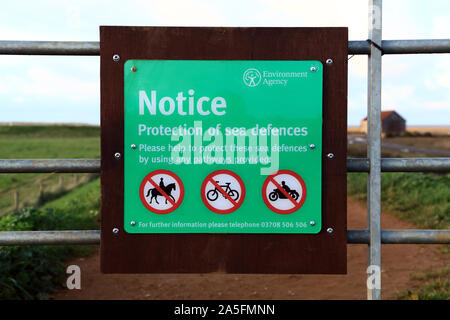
(74, 48)
(49, 165)
(22, 238)
(402, 165)
(402, 46)
(17, 238)
(402, 236)
(416, 46)
(93, 165)
(92, 48)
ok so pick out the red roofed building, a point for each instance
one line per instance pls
(391, 123)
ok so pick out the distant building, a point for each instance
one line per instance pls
(391, 123)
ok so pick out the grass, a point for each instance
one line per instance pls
(433, 285)
(49, 131)
(422, 199)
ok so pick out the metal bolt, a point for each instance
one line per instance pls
(133, 69)
(329, 62)
(115, 230)
(330, 155)
(313, 69)
(133, 146)
(116, 57)
(330, 230)
(312, 146)
(133, 223)
(117, 155)
(312, 223)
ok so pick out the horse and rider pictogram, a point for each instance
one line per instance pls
(161, 184)
(166, 189)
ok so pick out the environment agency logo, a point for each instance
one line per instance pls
(252, 77)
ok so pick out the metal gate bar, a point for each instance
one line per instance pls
(92, 48)
(71, 237)
(93, 165)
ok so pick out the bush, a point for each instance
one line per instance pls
(34, 272)
(30, 272)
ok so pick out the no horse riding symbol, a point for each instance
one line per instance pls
(284, 192)
(161, 191)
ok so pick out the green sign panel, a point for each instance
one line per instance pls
(222, 146)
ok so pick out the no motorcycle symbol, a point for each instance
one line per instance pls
(284, 192)
(161, 191)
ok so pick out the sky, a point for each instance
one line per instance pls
(67, 88)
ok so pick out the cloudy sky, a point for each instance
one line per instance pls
(66, 89)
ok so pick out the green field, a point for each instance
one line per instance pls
(43, 142)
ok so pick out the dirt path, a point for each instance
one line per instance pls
(398, 262)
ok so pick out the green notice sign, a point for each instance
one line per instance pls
(222, 146)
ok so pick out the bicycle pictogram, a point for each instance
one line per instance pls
(223, 191)
(213, 194)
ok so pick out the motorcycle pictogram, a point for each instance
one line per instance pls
(277, 194)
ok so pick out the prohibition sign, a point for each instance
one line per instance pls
(223, 191)
(284, 192)
(161, 191)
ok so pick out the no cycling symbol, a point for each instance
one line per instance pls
(161, 191)
(284, 192)
(223, 191)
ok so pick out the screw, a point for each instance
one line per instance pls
(115, 230)
(329, 62)
(116, 57)
(312, 146)
(330, 155)
(330, 230)
(133, 69)
(133, 223)
(312, 223)
(133, 146)
(117, 155)
(313, 69)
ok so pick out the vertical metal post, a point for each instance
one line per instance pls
(374, 152)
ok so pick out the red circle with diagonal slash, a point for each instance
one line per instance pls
(297, 205)
(148, 178)
(235, 205)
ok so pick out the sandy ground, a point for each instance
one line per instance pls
(398, 262)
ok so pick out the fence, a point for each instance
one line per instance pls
(375, 47)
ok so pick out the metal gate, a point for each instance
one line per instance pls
(374, 47)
